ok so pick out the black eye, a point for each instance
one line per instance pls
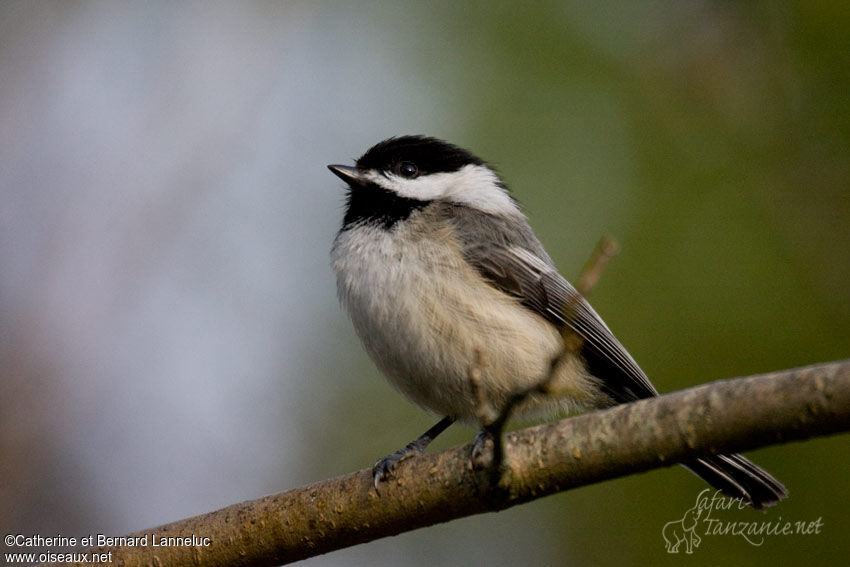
(408, 169)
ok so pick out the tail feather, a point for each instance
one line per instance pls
(738, 477)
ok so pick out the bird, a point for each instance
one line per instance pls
(444, 279)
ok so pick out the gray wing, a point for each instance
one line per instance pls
(515, 262)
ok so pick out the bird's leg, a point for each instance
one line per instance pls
(385, 467)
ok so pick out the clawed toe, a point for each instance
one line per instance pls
(385, 467)
(483, 446)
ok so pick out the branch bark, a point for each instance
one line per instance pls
(721, 417)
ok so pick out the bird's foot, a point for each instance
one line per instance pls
(385, 468)
(483, 446)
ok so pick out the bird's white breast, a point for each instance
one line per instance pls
(429, 321)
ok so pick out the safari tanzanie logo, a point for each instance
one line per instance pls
(702, 522)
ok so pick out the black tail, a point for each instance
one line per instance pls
(737, 477)
(623, 381)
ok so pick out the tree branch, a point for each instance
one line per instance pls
(725, 416)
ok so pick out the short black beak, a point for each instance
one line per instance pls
(346, 173)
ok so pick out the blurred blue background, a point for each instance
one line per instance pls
(170, 340)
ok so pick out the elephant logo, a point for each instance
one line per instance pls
(682, 531)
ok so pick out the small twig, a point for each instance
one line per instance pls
(588, 278)
(484, 410)
(605, 249)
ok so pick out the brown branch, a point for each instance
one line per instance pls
(724, 416)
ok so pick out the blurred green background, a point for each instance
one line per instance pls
(170, 341)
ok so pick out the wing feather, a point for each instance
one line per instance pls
(514, 262)
(508, 255)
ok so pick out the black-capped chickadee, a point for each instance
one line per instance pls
(442, 277)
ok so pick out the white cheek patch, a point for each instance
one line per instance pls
(473, 185)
